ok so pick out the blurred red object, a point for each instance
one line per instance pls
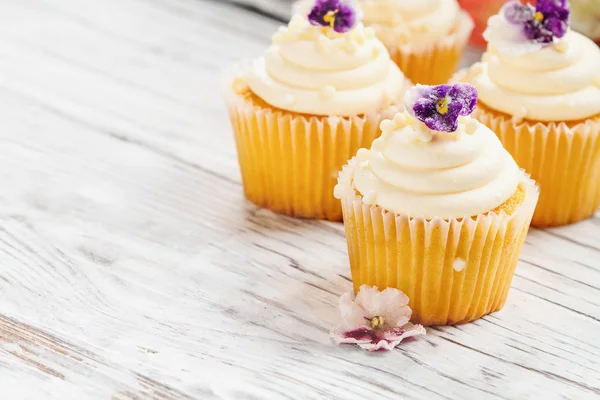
(481, 10)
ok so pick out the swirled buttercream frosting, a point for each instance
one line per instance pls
(315, 70)
(412, 171)
(534, 72)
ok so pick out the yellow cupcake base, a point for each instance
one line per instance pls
(453, 271)
(563, 158)
(437, 63)
(290, 162)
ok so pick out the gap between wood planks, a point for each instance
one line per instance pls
(264, 12)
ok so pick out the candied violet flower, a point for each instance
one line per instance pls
(336, 14)
(439, 107)
(520, 28)
(375, 320)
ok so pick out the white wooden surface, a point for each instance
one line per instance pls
(132, 268)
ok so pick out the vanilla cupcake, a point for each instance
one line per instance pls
(301, 111)
(437, 208)
(539, 90)
(586, 18)
(426, 38)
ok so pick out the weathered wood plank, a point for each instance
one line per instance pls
(39, 364)
(130, 264)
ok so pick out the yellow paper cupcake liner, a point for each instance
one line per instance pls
(563, 158)
(453, 271)
(434, 64)
(290, 162)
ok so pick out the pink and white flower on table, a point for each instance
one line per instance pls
(375, 320)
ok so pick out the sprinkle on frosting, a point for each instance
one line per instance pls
(522, 28)
(387, 125)
(240, 85)
(289, 100)
(439, 107)
(339, 15)
(370, 198)
(562, 46)
(471, 126)
(328, 92)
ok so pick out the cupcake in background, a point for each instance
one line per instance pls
(437, 208)
(539, 90)
(426, 38)
(301, 111)
(585, 18)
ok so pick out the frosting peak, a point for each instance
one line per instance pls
(440, 174)
(316, 70)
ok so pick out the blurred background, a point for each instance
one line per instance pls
(585, 15)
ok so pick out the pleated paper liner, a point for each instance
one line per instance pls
(563, 158)
(435, 64)
(453, 271)
(290, 162)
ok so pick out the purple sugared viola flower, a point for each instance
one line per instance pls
(340, 15)
(521, 28)
(439, 107)
(375, 320)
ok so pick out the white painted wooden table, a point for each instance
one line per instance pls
(132, 268)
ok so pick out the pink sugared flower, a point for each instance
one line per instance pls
(375, 320)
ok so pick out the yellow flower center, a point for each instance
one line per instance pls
(377, 322)
(539, 16)
(330, 17)
(442, 105)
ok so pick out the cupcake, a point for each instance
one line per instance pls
(301, 111)
(426, 38)
(539, 90)
(586, 18)
(437, 208)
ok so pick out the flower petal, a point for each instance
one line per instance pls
(508, 40)
(380, 345)
(412, 95)
(344, 14)
(466, 95)
(447, 122)
(393, 306)
(406, 331)
(517, 13)
(345, 19)
(353, 315)
(390, 304)
(354, 336)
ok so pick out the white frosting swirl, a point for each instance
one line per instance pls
(314, 70)
(450, 176)
(418, 22)
(560, 82)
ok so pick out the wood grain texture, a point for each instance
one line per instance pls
(132, 268)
